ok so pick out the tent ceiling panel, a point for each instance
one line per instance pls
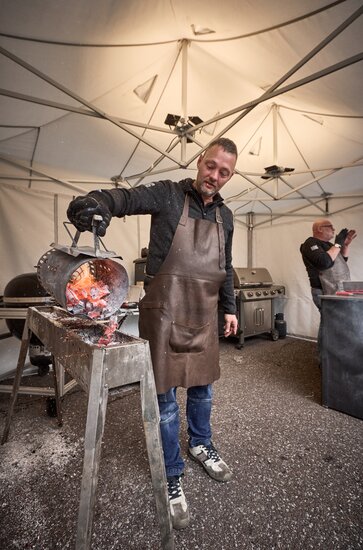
(131, 64)
(130, 21)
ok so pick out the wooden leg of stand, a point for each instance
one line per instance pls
(19, 372)
(56, 391)
(151, 418)
(96, 414)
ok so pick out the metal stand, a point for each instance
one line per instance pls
(21, 313)
(98, 370)
(16, 385)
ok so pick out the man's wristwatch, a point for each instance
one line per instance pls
(337, 245)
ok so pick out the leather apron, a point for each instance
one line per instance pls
(179, 313)
(330, 278)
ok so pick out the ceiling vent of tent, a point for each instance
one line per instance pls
(144, 90)
(199, 30)
(256, 148)
(275, 171)
(210, 129)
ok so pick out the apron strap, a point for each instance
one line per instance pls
(222, 253)
(219, 220)
(185, 213)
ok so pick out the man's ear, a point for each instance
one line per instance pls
(199, 160)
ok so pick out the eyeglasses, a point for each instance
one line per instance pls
(327, 226)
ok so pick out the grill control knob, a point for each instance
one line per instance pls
(273, 292)
(249, 293)
(265, 292)
(279, 291)
(258, 293)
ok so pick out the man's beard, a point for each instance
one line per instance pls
(208, 192)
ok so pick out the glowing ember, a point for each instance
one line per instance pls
(86, 295)
(109, 331)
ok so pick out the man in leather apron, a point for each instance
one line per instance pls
(188, 270)
(326, 262)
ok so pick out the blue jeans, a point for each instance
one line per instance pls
(198, 411)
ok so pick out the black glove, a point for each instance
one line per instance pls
(82, 209)
(340, 238)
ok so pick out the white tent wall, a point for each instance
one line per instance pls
(30, 215)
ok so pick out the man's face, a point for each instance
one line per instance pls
(215, 168)
(326, 230)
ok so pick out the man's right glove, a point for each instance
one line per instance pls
(340, 238)
(82, 209)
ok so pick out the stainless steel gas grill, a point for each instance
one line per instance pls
(255, 299)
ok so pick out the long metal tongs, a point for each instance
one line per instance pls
(95, 251)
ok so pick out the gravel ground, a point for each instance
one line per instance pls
(298, 469)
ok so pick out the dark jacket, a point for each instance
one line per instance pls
(315, 257)
(164, 201)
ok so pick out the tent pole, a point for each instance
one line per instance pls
(55, 217)
(184, 97)
(83, 101)
(250, 225)
(275, 146)
(356, 162)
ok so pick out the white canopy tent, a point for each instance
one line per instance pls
(101, 94)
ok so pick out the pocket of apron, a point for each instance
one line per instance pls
(186, 339)
(144, 304)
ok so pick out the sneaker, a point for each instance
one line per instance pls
(209, 458)
(178, 505)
